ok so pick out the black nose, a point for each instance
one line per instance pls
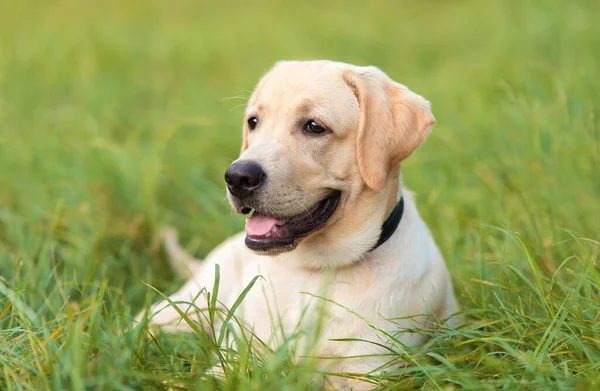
(244, 177)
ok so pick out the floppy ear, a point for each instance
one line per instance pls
(394, 121)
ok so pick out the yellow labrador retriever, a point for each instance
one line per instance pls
(336, 239)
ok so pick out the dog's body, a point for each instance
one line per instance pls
(319, 165)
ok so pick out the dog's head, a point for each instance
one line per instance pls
(319, 162)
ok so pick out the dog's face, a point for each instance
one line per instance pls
(320, 141)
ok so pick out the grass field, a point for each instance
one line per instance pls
(119, 117)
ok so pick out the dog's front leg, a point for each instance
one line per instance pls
(197, 303)
(186, 310)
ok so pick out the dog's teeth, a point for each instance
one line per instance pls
(274, 229)
(268, 235)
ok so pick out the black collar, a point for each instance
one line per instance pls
(389, 226)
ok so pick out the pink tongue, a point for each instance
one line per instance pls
(259, 225)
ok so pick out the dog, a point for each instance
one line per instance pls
(335, 238)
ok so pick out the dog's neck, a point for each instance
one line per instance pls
(394, 190)
(345, 245)
(394, 208)
(390, 225)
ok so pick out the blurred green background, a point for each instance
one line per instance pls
(119, 117)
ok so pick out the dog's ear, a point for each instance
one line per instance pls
(394, 121)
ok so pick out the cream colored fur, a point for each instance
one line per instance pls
(375, 123)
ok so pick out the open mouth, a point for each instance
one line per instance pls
(275, 234)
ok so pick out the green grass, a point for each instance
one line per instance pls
(119, 117)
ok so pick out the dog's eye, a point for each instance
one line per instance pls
(313, 127)
(252, 122)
